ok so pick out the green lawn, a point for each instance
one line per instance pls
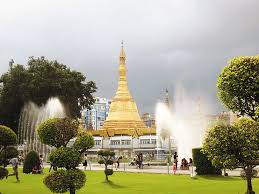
(135, 183)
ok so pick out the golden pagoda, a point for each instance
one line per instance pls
(123, 117)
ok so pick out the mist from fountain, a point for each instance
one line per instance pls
(184, 123)
(31, 116)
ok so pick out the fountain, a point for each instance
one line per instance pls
(185, 124)
(31, 116)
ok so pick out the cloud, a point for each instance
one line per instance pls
(167, 43)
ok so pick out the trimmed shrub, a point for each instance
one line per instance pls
(108, 171)
(106, 158)
(57, 131)
(65, 157)
(3, 172)
(7, 136)
(9, 153)
(203, 165)
(62, 181)
(31, 160)
(84, 141)
(6, 154)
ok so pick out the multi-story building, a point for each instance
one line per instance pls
(94, 118)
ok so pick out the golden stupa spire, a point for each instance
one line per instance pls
(123, 115)
(167, 100)
(122, 91)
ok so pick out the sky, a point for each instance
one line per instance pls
(169, 44)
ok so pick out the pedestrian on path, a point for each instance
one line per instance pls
(14, 162)
(174, 168)
(85, 162)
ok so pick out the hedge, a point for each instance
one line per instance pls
(202, 164)
(31, 160)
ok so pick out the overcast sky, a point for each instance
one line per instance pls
(167, 43)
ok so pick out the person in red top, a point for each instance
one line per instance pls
(174, 167)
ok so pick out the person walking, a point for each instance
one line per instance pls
(118, 162)
(175, 159)
(85, 161)
(14, 162)
(140, 159)
(41, 162)
(52, 165)
(174, 167)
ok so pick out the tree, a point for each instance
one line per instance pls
(238, 86)
(106, 158)
(234, 147)
(58, 132)
(39, 80)
(7, 140)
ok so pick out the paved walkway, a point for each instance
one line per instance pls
(124, 167)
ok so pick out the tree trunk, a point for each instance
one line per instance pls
(249, 180)
(106, 176)
(72, 191)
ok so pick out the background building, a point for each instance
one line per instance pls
(94, 118)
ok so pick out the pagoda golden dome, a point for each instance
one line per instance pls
(123, 113)
(123, 117)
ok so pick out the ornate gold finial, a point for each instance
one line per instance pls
(122, 54)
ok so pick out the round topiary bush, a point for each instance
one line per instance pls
(62, 181)
(3, 172)
(108, 172)
(7, 136)
(6, 154)
(84, 141)
(57, 131)
(32, 159)
(65, 157)
(56, 181)
(9, 153)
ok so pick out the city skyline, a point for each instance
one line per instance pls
(167, 44)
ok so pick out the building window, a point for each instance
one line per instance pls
(98, 142)
(145, 141)
(125, 142)
(153, 141)
(115, 142)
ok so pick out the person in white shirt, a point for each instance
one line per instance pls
(14, 162)
(85, 161)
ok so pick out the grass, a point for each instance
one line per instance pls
(134, 183)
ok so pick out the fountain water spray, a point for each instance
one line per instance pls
(31, 116)
(184, 124)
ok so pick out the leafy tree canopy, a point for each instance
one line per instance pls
(84, 141)
(57, 132)
(7, 137)
(65, 157)
(39, 80)
(238, 86)
(234, 146)
(62, 181)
